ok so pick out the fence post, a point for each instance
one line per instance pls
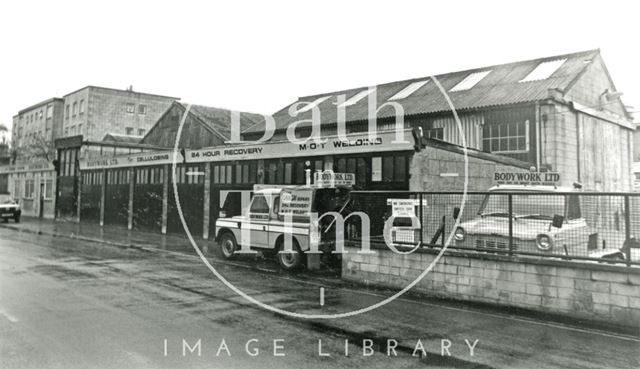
(510, 202)
(627, 228)
(421, 221)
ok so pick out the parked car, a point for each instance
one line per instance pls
(545, 220)
(9, 208)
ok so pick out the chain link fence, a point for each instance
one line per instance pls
(592, 227)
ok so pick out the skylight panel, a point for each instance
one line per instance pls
(407, 91)
(313, 104)
(470, 81)
(357, 97)
(543, 70)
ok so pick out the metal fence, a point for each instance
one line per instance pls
(581, 226)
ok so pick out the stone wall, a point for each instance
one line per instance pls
(593, 291)
(440, 167)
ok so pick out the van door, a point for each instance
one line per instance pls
(259, 213)
(275, 225)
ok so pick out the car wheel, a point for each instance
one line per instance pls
(17, 219)
(228, 245)
(290, 260)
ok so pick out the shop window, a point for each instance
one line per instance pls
(387, 169)
(341, 165)
(376, 169)
(399, 168)
(300, 174)
(435, 133)
(288, 175)
(506, 137)
(238, 173)
(245, 173)
(260, 205)
(351, 165)
(253, 170)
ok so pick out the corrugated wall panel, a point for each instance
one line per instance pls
(471, 126)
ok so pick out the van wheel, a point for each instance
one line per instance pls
(228, 245)
(290, 260)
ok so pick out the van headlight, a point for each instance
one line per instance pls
(459, 234)
(544, 242)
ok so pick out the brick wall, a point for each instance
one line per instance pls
(594, 291)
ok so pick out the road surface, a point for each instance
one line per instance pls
(75, 304)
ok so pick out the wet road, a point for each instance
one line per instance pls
(75, 304)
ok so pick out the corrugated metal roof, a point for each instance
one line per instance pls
(219, 119)
(500, 87)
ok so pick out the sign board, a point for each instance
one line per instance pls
(295, 202)
(140, 159)
(527, 178)
(331, 145)
(404, 207)
(331, 179)
(33, 167)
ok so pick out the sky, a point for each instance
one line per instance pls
(259, 56)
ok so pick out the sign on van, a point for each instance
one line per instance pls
(527, 178)
(295, 202)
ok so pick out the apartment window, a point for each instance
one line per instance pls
(129, 131)
(141, 131)
(131, 108)
(81, 106)
(41, 115)
(49, 111)
(142, 109)
(48, 189)
(75, 108)
(66, 131)
(506, 137)
(16, 188)
(66, 111)
(29, 189)
(79, 129)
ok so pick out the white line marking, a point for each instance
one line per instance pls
(321, 296)
(9, 317)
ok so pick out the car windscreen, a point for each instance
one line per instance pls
(6, 199)
(543, 206)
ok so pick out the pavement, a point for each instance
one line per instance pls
(84, 296)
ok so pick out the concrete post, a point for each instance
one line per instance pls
(103, 190)
(165, 197)
(131, 188)
(207, 201)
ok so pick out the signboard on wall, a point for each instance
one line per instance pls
(527, 178)
(333, 145)
(140, 159)
(404, 207)
(331, 179)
